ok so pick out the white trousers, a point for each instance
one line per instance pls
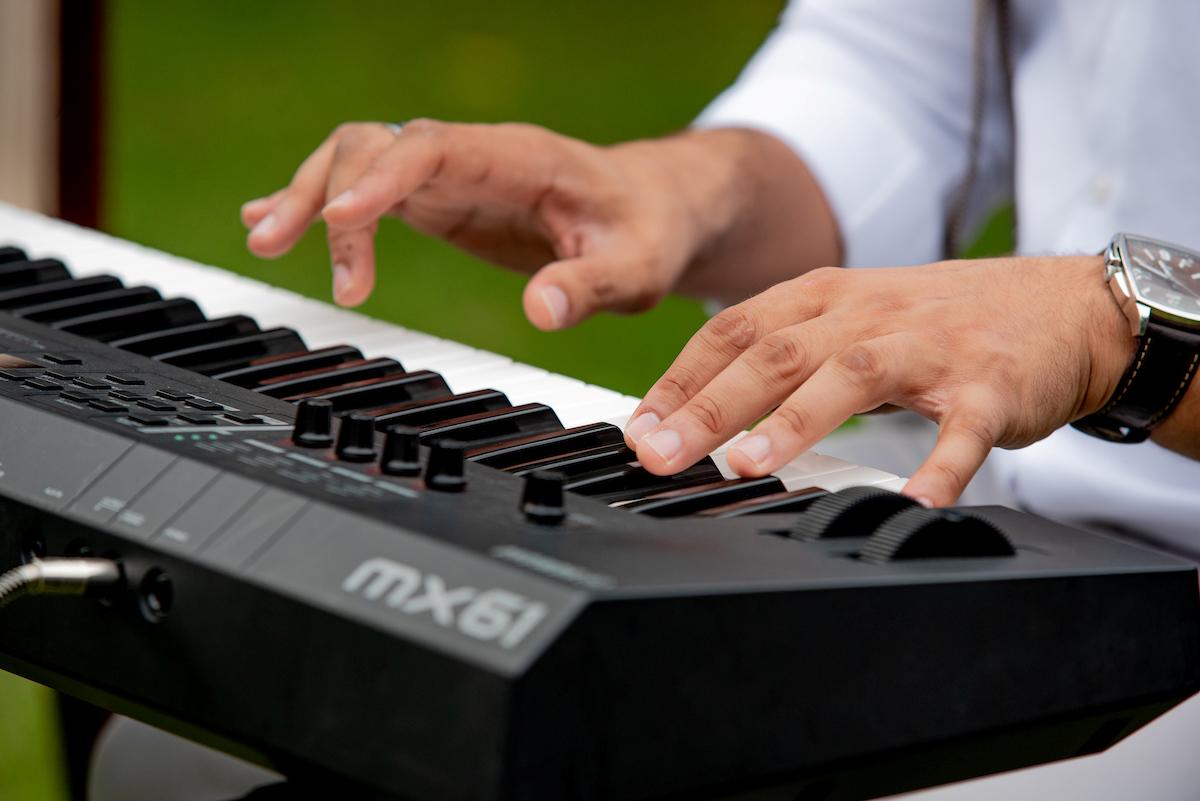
(134, 762)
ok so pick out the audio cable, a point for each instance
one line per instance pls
(67, 576)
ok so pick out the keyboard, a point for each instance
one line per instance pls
(362, 554)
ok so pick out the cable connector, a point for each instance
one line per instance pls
(58, 577)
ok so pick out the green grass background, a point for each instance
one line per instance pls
(213, 103)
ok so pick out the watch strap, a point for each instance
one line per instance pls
(1166, 360)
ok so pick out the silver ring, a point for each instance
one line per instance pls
(395, 127)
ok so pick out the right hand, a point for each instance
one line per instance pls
(600, 228)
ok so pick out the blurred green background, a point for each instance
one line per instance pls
(214, 103)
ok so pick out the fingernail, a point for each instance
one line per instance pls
(666, 443)
(556, 303)
(926, 502)
(642, 425)
(342, 280)
(341, 200)
(265, 226)
(754, 447)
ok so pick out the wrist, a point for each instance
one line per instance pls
(1114, 330)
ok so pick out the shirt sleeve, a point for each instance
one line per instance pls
(876, 97)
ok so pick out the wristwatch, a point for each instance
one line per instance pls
(1163, 282)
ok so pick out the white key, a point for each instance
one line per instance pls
(854, 477)
(893, 484)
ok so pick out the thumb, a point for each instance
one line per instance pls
(566, 292)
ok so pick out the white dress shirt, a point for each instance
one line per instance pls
(875, 96)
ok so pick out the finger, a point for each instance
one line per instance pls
(858, 377)
(414, 158)
(962, 446)
(297, 206)
(752, 384)
(352, 249)
(566, 292)
(724, 338)
(254, 210)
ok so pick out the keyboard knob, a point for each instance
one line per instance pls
(356, 438)
(444, 467)
(314, 424)
(542, 501)
(934, 534)
(852, 512)
(401, 452)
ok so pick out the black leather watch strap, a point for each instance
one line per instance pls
(1167, 359)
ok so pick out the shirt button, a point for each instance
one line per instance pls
(1101, 187)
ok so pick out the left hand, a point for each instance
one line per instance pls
(997, 352)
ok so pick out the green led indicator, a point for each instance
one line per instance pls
(179, 437)
(195, 437)
(212, 436)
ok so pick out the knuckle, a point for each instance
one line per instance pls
(708, 414)
(424, 126)
(823, 278)
(778, 357)
(861, 364)
(679, 384)
(793, 418)
(950, 474)
(733, 328)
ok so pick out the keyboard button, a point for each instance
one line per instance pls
(244, 419)
(43, 384)
(91, 383)
(19, 374)
(82, 396)
(59, 358)
(142, 418)
(58, 375)
(174, 394)
(198, 419)
(156, 405)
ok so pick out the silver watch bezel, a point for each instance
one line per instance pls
(1117, 268)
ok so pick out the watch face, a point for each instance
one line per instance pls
(1164, 276)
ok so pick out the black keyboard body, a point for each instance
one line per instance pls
(315, 615)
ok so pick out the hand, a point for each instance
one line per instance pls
(997, 352)
(603, 228)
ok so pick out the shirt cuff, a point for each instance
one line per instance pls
(874, 176)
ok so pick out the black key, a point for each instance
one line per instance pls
(497, 426)
(580, 462)
(106, 405)
(18, 373)
(155, 405)
(781, 502)
(43, 384)
(274, 366)
(676, 503)
(544, 446)
(152, 343)
(125, 380)
(37, 271)
(384, 391)
(204, 404)
(120, 323)
(9, 253)
(219, 357)
(87, 304)
(58, 375)
(173, 394)
(143, 418)
(61, 358)
(244, 419)
(91, 383)
(294, 385)
(57, 290)
(439, 410)
(630, 482)
(198, 419)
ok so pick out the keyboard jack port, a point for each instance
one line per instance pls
(156, 595)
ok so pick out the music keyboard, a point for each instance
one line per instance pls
(317, 577)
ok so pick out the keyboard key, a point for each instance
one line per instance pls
(690, 501)
(88, 304)
(106, 405)
(198, 419)
(142, 418)
(438, 410)
(207, 332)
(778, 503)
(91, 383)
(545, 446)
(42, 384)
(494, 426)
(173, 394)
(125, 380)
(325, 378)
(580, 462)
(56, 290)
(204, 404)
(60, 358)
(275, 366)
(38, 271)
(629, 482)
(383, 391)
(113, 324)
(237, 353)
(155, 405)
